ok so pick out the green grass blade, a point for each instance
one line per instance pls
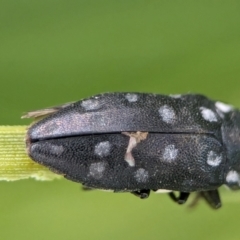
(14, 161)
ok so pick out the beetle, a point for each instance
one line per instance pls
(141, 142)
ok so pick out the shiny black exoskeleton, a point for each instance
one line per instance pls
(137, 142)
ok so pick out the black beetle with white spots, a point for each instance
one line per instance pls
(140, 142)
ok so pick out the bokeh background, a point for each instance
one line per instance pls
(56, 51)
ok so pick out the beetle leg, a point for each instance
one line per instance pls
(142, 194)
(183, 196)
(212, 197)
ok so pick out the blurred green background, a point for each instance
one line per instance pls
(56, 51)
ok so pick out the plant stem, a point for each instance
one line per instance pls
(14, 161)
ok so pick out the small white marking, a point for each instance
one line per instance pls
(131, 97)
(141, 175)
(102, 149)
(90, 104)
(175, 95)
(213, 159)
(167, 114)
(55, 149)
(163, 191)
(170, 152)
(208, 114)
(223, 107)
(233, 177)
(96, 170)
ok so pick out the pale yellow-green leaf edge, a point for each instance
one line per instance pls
(14, 161)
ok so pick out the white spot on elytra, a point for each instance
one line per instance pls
(90, 104)
(131, 97)
(233, 177)
(170, 152)
(96, 170)
(213, 159)
(223, 107)
(141, 175)
(102, 149)
(167, 114)
(175, 96)
(208, 114)
(56, 150)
